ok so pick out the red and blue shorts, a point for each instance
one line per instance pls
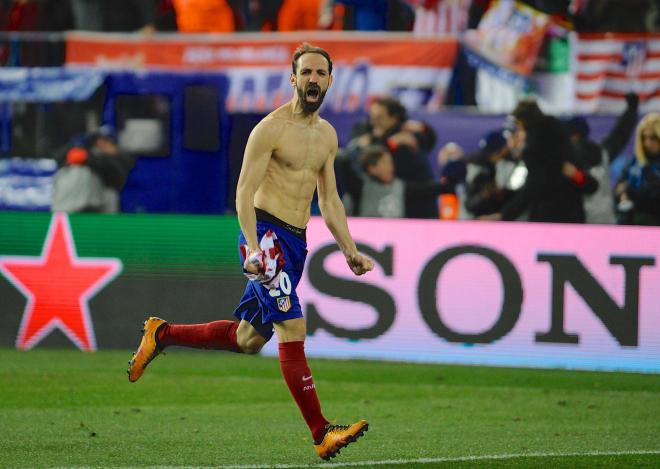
(261, 306)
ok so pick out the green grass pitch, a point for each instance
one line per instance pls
(64, 408)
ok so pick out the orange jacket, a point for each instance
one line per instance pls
(297, 15)
(204, 16)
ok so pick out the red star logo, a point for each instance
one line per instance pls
(58, 286)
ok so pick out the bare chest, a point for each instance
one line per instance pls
(302, 148)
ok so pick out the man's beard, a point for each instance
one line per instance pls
(310, 106)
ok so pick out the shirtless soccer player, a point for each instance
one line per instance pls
(289, 154)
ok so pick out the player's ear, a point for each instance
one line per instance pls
(292, 79)
(330, 81)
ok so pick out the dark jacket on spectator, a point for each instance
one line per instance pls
(589, 152)
(547, 193)
(597, 157)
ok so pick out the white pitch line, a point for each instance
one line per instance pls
(403, 462)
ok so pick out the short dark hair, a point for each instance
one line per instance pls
(371, 155)
(527, 111)
(306, 48)
(393, 106)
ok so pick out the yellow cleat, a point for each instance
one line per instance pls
(338, 436)
(147, 351)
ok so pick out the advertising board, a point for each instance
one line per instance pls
(506, 294)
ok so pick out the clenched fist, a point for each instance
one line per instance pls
(359, 263)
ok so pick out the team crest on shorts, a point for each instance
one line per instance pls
(284, 304)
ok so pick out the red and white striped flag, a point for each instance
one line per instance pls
(609, 65)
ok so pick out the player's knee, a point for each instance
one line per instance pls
(252, 348)
(250, 345)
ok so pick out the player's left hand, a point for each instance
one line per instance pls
(359, 263)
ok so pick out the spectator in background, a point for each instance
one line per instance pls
(453, 168)
(400, 16)
(115, 16)
(130, 15)
(17, 15)
(165, 15)
(452, 164)
(488, 172)
(596, 158)
(84, 15)
(408, 142)
(638, 190)
(368, 15)
(299, 15)
(57, 15)
(93, 171)
(331, 15)
(548, 193)
(204, 16)
(87, 15)
(376, 192)
(21, 15)
(262, 14)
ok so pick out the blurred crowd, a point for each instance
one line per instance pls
(537, 167)
(199, 16)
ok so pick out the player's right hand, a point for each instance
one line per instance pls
(253, 266)
(359, 263)
(254, 262)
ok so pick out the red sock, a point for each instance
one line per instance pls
(301, 384)
(219, 335)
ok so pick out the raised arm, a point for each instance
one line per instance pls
(258, 151)
(334, 215)
(618, 137)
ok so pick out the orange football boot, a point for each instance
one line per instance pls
(147, 351)
(338, 436)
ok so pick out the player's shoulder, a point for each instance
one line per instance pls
(328, 130)
(282, 113)
(271, 125)
(327, 126)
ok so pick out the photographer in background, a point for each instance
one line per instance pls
(555, 182)
(487, 186)
(93, 171)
